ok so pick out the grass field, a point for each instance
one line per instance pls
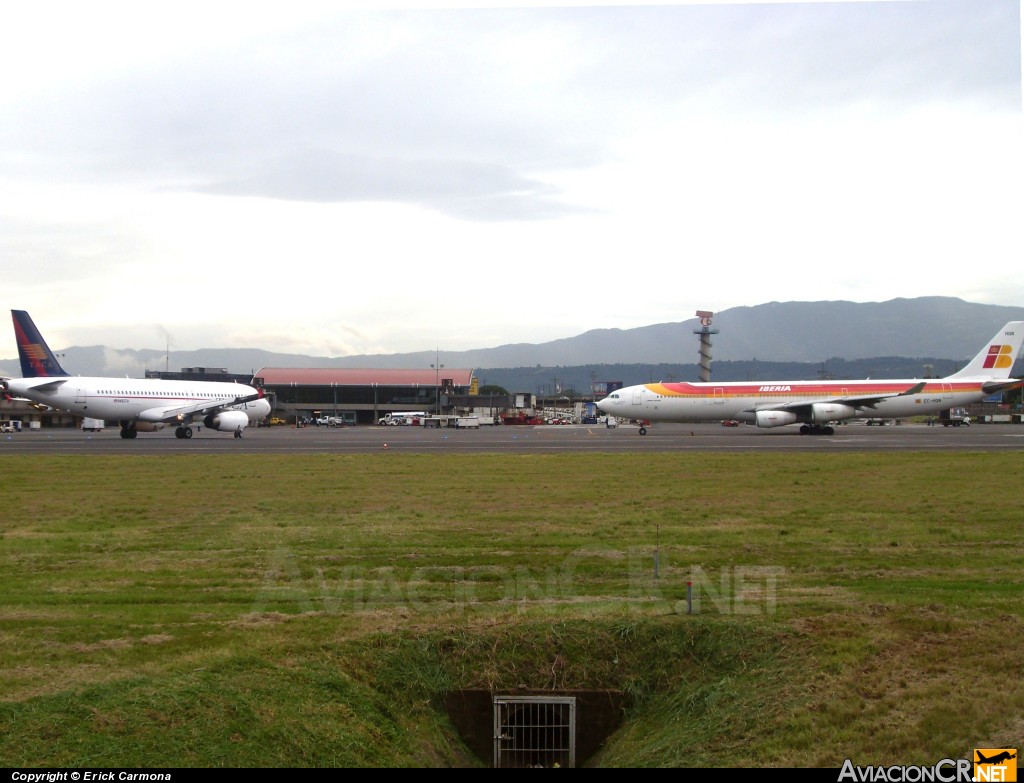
(310, 610)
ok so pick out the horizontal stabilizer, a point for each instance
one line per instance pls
(53, 385)
(996, 387)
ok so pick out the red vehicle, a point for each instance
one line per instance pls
(520, 418)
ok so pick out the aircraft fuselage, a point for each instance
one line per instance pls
(815, 402)
(128, 399)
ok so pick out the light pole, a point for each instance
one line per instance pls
(437, 380)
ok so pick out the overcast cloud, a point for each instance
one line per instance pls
(334, 180)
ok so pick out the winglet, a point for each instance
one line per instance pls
(37, 360)
(915, 389)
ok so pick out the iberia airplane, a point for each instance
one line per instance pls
(139, 405)
(814, 404)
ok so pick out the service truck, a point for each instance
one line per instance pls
(954, 417)
(402, 418)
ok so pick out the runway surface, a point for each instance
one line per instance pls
(520, 439)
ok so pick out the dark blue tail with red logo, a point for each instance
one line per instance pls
(37, 360)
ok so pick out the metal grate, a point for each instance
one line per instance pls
(534, 731)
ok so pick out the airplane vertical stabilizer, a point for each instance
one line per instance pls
(37, 360)
(996, 359)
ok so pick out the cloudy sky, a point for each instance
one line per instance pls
(321, 178)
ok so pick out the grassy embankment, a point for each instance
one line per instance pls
(307, 610)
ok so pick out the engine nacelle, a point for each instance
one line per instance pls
(226, 421)
(774, 418)
(824, 412)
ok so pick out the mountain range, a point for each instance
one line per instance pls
(944, 328)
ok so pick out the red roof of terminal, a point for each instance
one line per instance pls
(324, 376)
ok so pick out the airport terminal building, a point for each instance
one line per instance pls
(365, 396)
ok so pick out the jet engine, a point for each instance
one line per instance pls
(823, 412)
(226, 421)
(774, 418)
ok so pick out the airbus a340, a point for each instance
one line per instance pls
(814, 404)
(138, 405)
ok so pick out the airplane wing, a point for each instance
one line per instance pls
(181, 413)
(853, 400)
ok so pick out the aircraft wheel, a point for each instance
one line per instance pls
(186, 432)
(179, 432)
(133, 433)
(828, 431)
(804, 429)
(125, 433)
(643, 430)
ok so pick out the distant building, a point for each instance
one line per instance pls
(219, 374)
(603, 388)
(363, 396)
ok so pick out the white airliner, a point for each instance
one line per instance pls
(814, 404)
(138, 405)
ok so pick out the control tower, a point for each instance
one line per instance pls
(705, 333)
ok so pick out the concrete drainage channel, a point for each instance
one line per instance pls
(535, 729)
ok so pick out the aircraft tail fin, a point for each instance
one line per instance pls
(996, 359)
(37, 360)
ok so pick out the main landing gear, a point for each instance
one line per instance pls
(128, 432)
(183, 432)
(816, 429)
